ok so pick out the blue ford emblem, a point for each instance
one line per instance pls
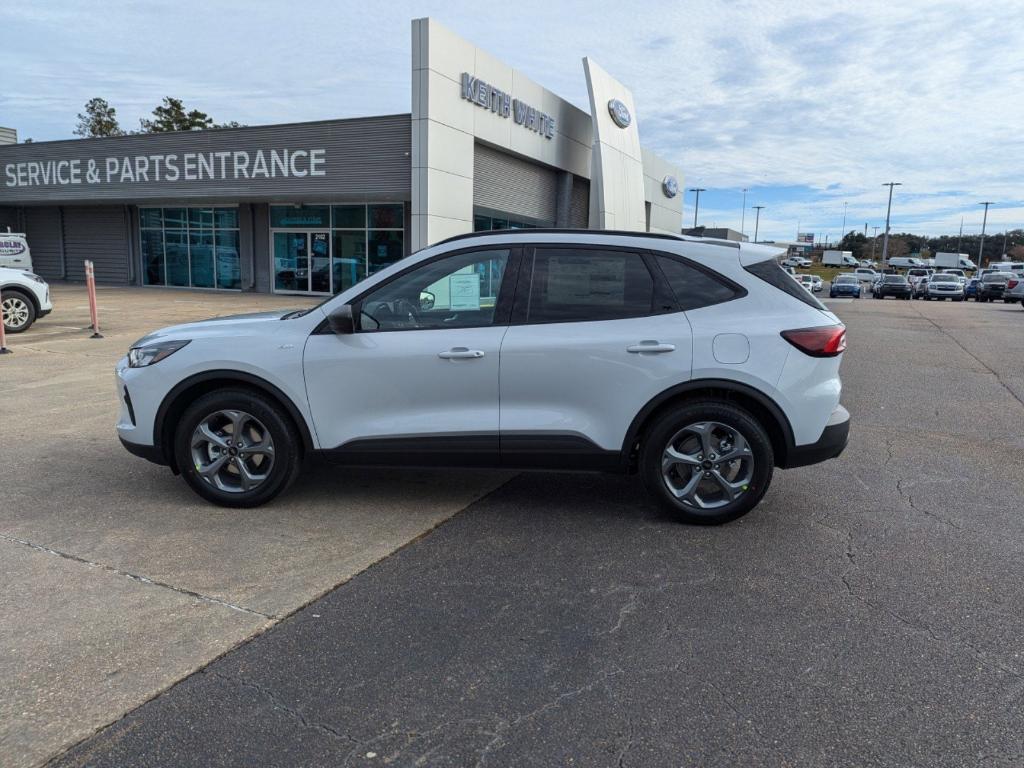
(670, 186)
(620, 113)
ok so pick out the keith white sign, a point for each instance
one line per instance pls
(186, 166)
(503, 105)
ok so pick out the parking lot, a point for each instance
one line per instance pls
(869, 612)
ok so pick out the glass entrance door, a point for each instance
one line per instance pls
(302, 262)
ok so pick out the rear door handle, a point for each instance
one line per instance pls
(651, 346)
(461, 353)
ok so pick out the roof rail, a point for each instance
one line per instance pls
(563, 231)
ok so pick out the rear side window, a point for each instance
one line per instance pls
(770, 271)
(570, 285)
(693, 287)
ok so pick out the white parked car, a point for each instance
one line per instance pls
(24, 297)
(796, 261)
(866, 275)
(700, 365)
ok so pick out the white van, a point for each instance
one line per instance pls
(955, 260)
(905, 262)
(14, 251)
(839, 259)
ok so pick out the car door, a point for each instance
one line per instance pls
(595, 335)
(417, 382)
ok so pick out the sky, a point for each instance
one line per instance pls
(807, 105)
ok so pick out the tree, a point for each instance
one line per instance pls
(171, 116)
(855, 242)
(99, 119)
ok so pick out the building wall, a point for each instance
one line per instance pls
(8, 136)
(617, 191)
(505, 183)
(446, 128)
(666, 212)
(337, 160)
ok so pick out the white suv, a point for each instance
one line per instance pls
(700, 364)
(24, 297)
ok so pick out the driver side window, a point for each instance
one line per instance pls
(459, 291)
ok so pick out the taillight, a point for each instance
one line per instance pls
(827, 341)
(1012, 283)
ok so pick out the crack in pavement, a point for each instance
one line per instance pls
(136, 577)
(851, 563)
(973, 356)
(280, 705)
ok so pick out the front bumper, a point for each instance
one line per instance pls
(149, 452)
(831, 443)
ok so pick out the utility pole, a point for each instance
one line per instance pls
(743, 215)
(865, 229)
(1005, 233)
(961, 235)
(757, 221)
(984, 221)
(842, 232)
(874, 239)
(885, 241)
(696, 203)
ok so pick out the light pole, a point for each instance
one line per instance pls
(842, 232)
(984, 221)
(885, 240)
(874, 239)
(961, 235)
(696, 203)
(743, 209)
(757, 221)
(1006, 231)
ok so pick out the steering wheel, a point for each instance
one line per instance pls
(407, 308)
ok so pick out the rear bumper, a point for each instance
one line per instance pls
(831, 443)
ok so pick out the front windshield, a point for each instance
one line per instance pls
(845, 280)
(895, 279)
(945, 279)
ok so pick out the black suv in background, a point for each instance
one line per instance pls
(892, 285)
(992, 285)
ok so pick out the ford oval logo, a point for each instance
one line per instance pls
(670, 186)
(620, 113)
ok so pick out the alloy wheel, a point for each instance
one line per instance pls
(707, 465)
(233, 451)
(15, 312)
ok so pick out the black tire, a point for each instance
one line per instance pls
(19, 301)
(287, 446)
(668, 427)
(958, 298)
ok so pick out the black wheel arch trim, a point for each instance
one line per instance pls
(679, 390)
(238, 377)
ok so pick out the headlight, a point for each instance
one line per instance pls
(35, 277)
(140, 357)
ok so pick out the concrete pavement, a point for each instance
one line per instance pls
(116, 580)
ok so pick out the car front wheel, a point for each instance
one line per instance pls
(707, 462)
(237, 448)
(18, 311)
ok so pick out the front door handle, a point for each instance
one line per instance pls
(461, 353)
(650, 346)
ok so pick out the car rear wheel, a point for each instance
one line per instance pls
(237, 448)
(18, 311)
(707, 462)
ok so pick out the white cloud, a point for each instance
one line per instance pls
(831, 96)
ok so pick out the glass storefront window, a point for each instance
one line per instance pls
(386, 217)
(299, 216)
(485, 222)
(190, 247)
(362, 239)
(349, 216)
(384, 248)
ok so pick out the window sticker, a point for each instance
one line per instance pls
(464, 291)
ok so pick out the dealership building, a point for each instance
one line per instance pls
(314, 207)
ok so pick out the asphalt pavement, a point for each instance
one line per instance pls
(870, 612)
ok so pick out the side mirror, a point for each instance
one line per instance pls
(427, 301)
(341, 320)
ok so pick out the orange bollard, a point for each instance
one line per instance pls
(3, 331)
(94, 313)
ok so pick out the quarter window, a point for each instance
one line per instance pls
(692, 287)
(578, 284)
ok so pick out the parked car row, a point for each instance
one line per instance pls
(1001, 282)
